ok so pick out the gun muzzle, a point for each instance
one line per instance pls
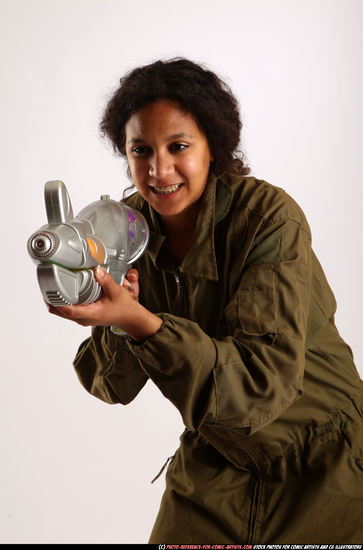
(42, 245)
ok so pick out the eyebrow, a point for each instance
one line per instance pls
(177, 136)
(173, 136)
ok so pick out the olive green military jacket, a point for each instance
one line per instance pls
(248, 350)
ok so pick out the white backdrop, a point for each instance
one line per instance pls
(74, 469)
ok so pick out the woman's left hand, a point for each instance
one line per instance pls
(131, 282)
(110, 309)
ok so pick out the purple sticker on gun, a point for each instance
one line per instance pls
(132, 218)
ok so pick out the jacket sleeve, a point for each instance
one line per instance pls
(250, 377)
(108, 370)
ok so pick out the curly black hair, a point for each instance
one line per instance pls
(197, 90)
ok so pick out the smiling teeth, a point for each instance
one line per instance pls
(166, 190)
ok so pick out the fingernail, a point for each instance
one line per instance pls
(100, 272)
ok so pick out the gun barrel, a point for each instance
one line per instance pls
(42, 245)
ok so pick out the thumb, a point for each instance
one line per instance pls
(106, 281)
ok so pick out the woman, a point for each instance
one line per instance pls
(234, 323)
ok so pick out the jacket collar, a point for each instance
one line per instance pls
(200, 261)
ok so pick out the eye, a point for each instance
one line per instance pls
(140, 150)
(177, 147)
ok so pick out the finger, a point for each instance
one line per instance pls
(81, 313)
(132, 287)
(56, 311)
(133, 278)
(84, 315)
(132, 275)
(84, 323)
(110, 287)
(126, 284)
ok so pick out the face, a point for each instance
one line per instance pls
(168, 157)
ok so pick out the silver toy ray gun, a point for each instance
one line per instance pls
(68, 248)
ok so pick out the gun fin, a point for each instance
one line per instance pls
(57, 203)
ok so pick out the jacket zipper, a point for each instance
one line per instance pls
(181, 293)
(256, 499)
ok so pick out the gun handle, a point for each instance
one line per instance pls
(118, 272)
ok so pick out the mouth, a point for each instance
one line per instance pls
(166, 189)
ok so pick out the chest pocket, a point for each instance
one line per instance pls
(253, 308)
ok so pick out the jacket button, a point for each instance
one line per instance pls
(359, 463)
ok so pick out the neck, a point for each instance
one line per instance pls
(181, 224)
(180, 233)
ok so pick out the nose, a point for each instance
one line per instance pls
(161, 165)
